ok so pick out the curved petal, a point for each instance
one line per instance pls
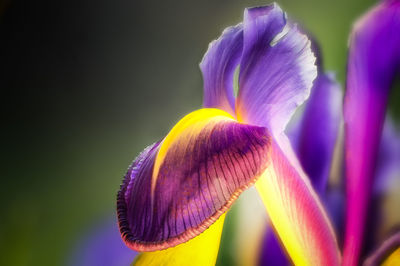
(296, 212)
(218, 68)
(276, 70)
(387, 254)
(177, 189)
(314, 138)
(199, 251)
(374, 59)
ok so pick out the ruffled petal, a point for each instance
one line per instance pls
(374, 60)
(388, 254)
(199, 251)
(218, 68)
(175, 190)
(277, 69)
(296, 212)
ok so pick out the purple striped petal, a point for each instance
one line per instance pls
(175, 190)
(276, 70)
(218, 67)
(374, 59)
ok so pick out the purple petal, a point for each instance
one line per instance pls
(272, 252)
(218, 68)
(374, 58)
(176, 190)
(102, 247)
(318, 130)
(276, 71)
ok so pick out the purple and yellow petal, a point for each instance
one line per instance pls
(277, 69)
(218, 68)
(177, 189)
(296, 212)
(374, 60)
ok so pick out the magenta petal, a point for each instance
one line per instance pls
(218, 68)
(374, 59)
(205, 168)
(276, 71)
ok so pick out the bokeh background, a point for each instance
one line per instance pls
(88, 84)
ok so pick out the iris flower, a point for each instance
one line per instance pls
(173, 199)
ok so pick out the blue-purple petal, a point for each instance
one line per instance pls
(277, 69)
(218, 68)
(318, 130)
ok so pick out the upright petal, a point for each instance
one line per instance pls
(218, 68)
(175, 190)
(319, 129)
(374, 59)
(276, 70)
(296, 212)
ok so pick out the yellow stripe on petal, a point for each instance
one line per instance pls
(195, 121)
(199, 251)
(296, 213)
(393, 259)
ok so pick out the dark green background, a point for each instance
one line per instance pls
(88, 84)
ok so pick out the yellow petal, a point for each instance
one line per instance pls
(296, 213)
(199, 251)
(393, 259)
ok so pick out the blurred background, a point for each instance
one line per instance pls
(88, 84)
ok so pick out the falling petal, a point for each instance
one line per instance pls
(296, 212)
(175, 190)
